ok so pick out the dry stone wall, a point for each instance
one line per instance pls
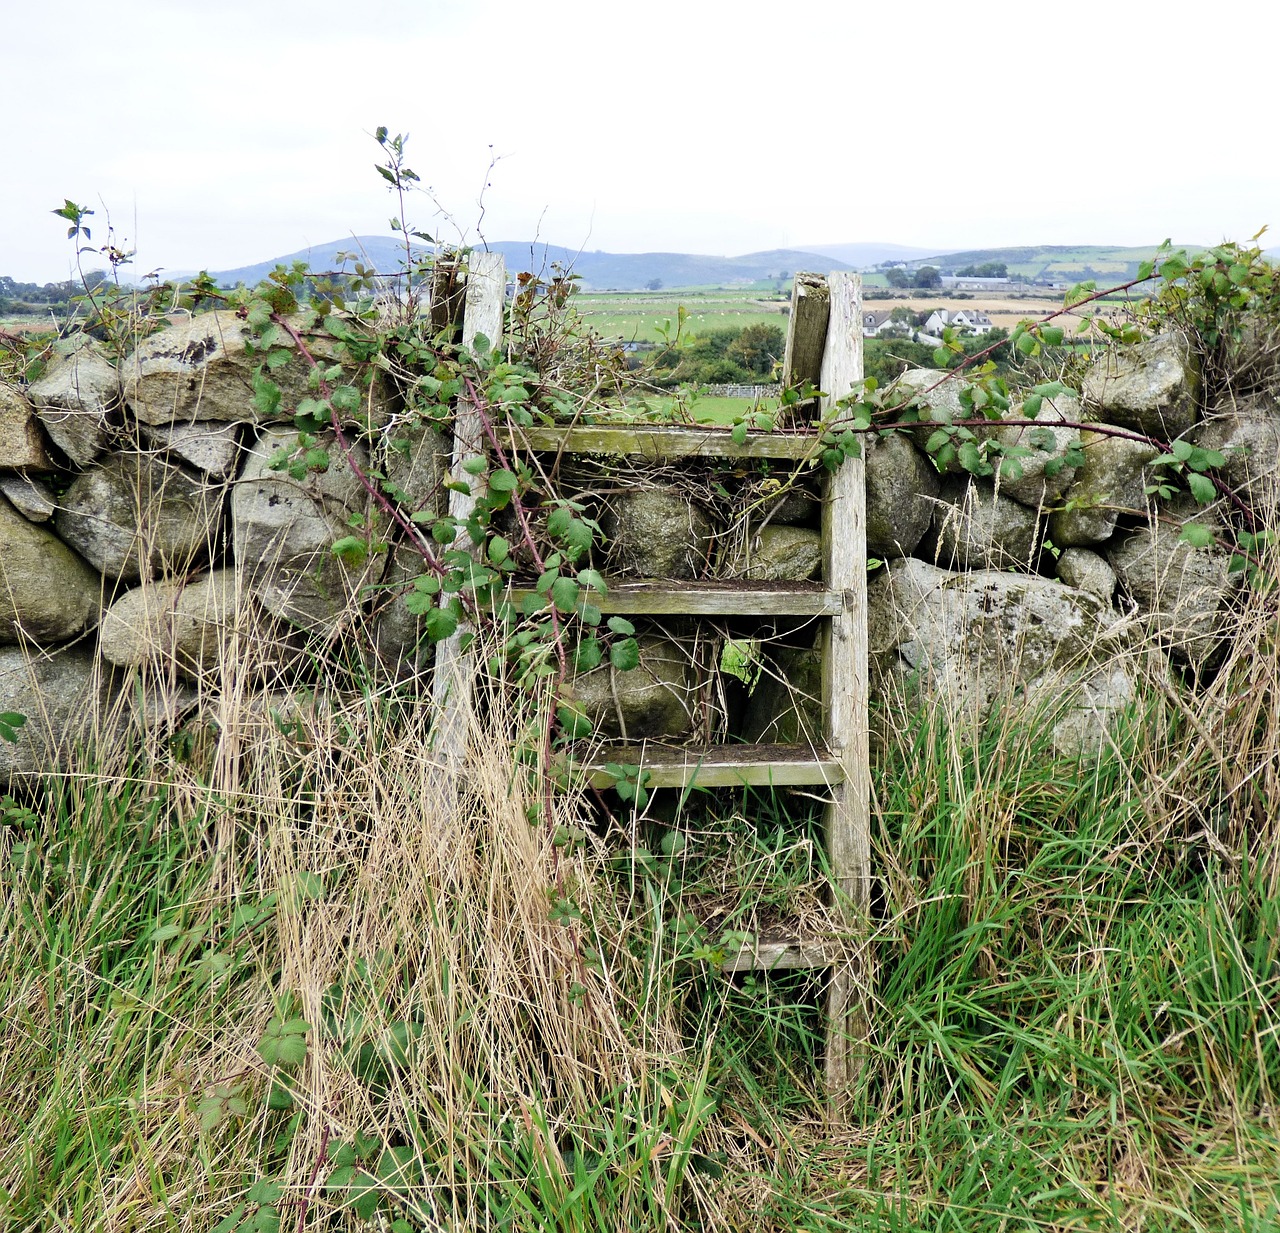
(146, 536)
(148, 533)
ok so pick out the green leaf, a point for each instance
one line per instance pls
(739, 434)
(1202, 488)
(620, 625)
(474, 466)
(10, 722)
(351, 550)
(564, 594)
(1182, 450)
(499, 550)
(1031, 406)
(1196, 534)
(941, 357)
(593, 579)
(284, 1044)
(503, 481)
(441, 623)
(1052, 335)
(573, 722)
(587, 655)
(264, 1190)
(625, 655)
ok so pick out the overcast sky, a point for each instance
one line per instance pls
(226, 132)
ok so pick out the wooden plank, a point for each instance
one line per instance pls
(722, 598)
(806, 330)
(780, 957)
(660, 441)
(844, 661)
(718, 766)
(451, 683)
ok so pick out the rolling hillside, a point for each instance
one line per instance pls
(598, 270)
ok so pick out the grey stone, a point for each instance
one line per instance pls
(21, 441)
(1184, 592)
(284, 530)
(192, 626)
(1152, 387)
(785, 708)
(1247, 434)
(937, 399)
(1111, 481)
(201, 369)
(47, 593)
(29, 497)
(781, 554)
(77, 398)
(415, 458)
(974, 528)
(652, 701)
(656, 533)
(901, 487)
(62, 695)
(1087, 571)
(213, 448)
(397, 632)
(969, 641)
(1035, 488)
(134, 514)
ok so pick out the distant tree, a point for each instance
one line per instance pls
(896, 276)
(903, 315)
(654, 284)
(758, 348)
(989, 269)
(927, 276)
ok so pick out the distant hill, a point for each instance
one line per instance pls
(1056, 262)
(598, 270)
(862, 255)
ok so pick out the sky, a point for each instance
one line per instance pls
(217, 134)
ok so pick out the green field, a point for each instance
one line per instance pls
(640, 316)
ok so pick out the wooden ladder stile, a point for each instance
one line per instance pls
(824, 350)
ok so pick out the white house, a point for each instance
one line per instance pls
(880, 321)
(965, 319)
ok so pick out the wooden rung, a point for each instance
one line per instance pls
(719, 766)
(661, 441)
(780, 956)
(730, 597)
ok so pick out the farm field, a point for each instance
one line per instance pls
(639, 317)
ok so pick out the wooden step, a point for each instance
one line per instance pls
(728, 597)
(718, 766)
(781, 955)
(661, 441)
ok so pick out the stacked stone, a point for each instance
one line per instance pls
(142, 526)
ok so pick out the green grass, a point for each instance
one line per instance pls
(642, 316)
(310, 983)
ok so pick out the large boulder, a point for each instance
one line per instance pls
(652, 701)
(415, 460)
(1111, 481)
(134, 515)
(656, 533)
(29, 497)
(284, 530)
(1183, 591)
(976, 528)
(1034, 486)
(1152, 388)
(1087, 571)
(1247, 434)
(22, 445)
(61, 695)
(192, 626)
(210, 447)
(969, 641)
(901, 486)
(47, 593)
(77, 399)
(781, 554)
(202, 369)
(935, 395)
